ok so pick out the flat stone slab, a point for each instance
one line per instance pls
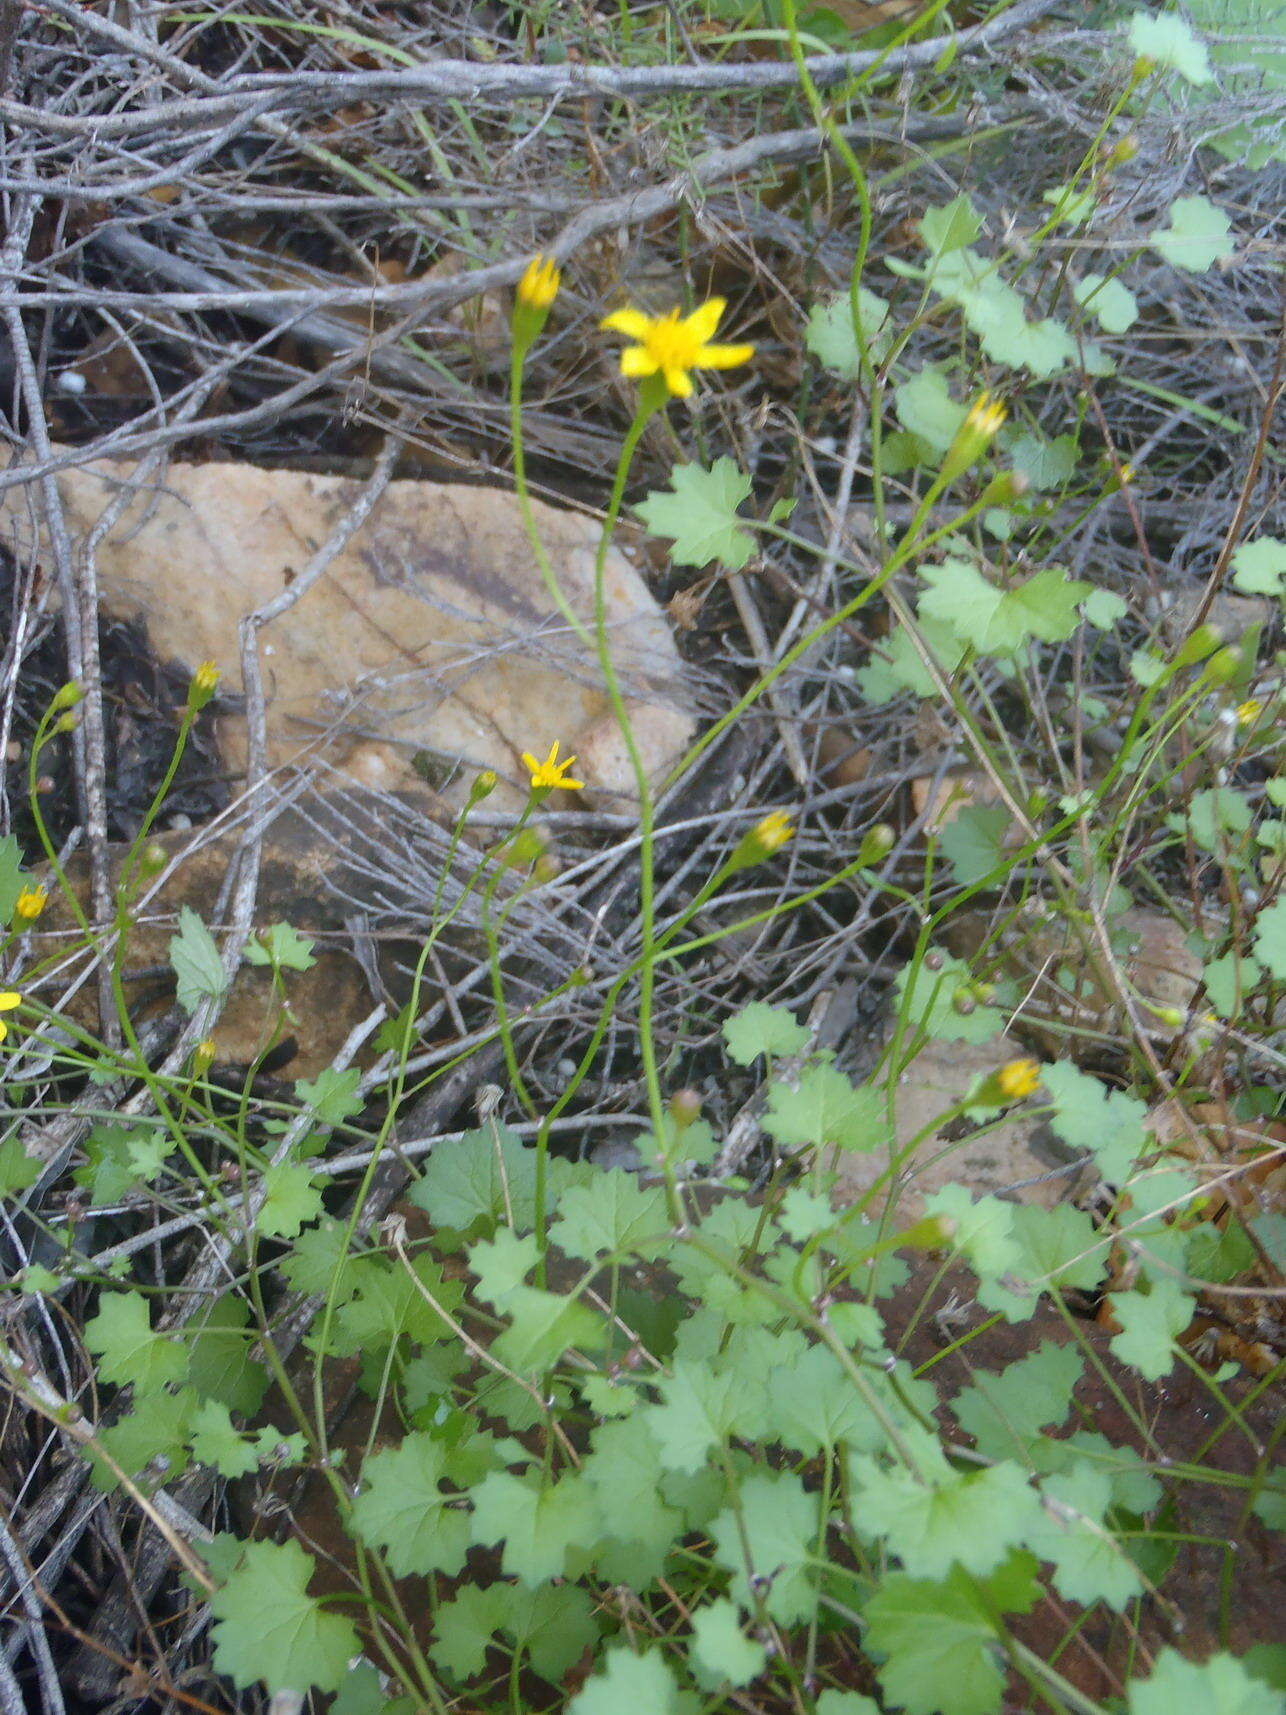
(429, 642)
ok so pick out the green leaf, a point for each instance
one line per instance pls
(18, 1170)
(613, 1217)
(699, 514)
(1259, 567)
(464, 1627)
(538, 1524)
(832, 341)
(1218, 1686)
(267, 1626)
(1215, 818)
(1045, 464)
(950, 226)
(196, 962)
(1197, 236)
(13, 878)
(215, 1441)
(544, 1325)
(846, 1703)
(502, 1264)
(626, 1473)
(761, 1029)
(291, 1199)
(1003, 1410)
(825, 1108)
(722, 1654)
(478, 1177)
(996, 621)
(129, 1352)
(776, 1528)
(157, 1428)
(1115, 307)
(1106, 1124)
(333, 1096)
(363, 1694)
(402, 1509)
(1270, 939)
(626, 1684)
(1104, 609)
(700, 1409)
(219, 1363)
(946, 1517)
(1089, 1564)
(282, 946)
(982, 1228)
(1171, 43)
(555, 1625)
(926, 408)
(973, 841)
(1057, 1247)
(940, 1640)
(1150, 1322)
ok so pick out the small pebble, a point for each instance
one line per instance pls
(71, 381)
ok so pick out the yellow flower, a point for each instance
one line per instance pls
(983, 421)
(1249, 711)
(8, 1000)
(30, 903)
(551, 772)
(203, 1055)
(205, 682)
(539, 285)
(673, 345)
(763, 840)
(1017, 1079)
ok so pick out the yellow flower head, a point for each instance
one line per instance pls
(205, 682)
(30, 903)
(203, 1055)
(8, 1000)
(551, 772)
(982, 422)
(674, 345)
(766, 838)
(1018, 1079)
(1249, 711)
(986, 416)
(539, 285)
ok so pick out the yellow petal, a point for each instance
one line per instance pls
(8, 1000)
(724, 356)
(637, 361)
(679, 382)
(705, 318)
(632, 323)
(529, 763)
(4, 1029)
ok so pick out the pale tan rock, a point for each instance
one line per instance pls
(1003, 1160)
(431, 632)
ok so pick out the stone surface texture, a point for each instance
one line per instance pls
(431, 633)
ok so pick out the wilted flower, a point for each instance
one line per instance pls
(673, 345)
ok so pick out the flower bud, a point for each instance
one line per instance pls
(203, 1056)
(982, 423)
(1200, 643)
(66, 697)
(1223, 667)
(205, 681)
(153, 858)
(763, 841)
(684, 1107)
(483, 786)
(30, 903)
